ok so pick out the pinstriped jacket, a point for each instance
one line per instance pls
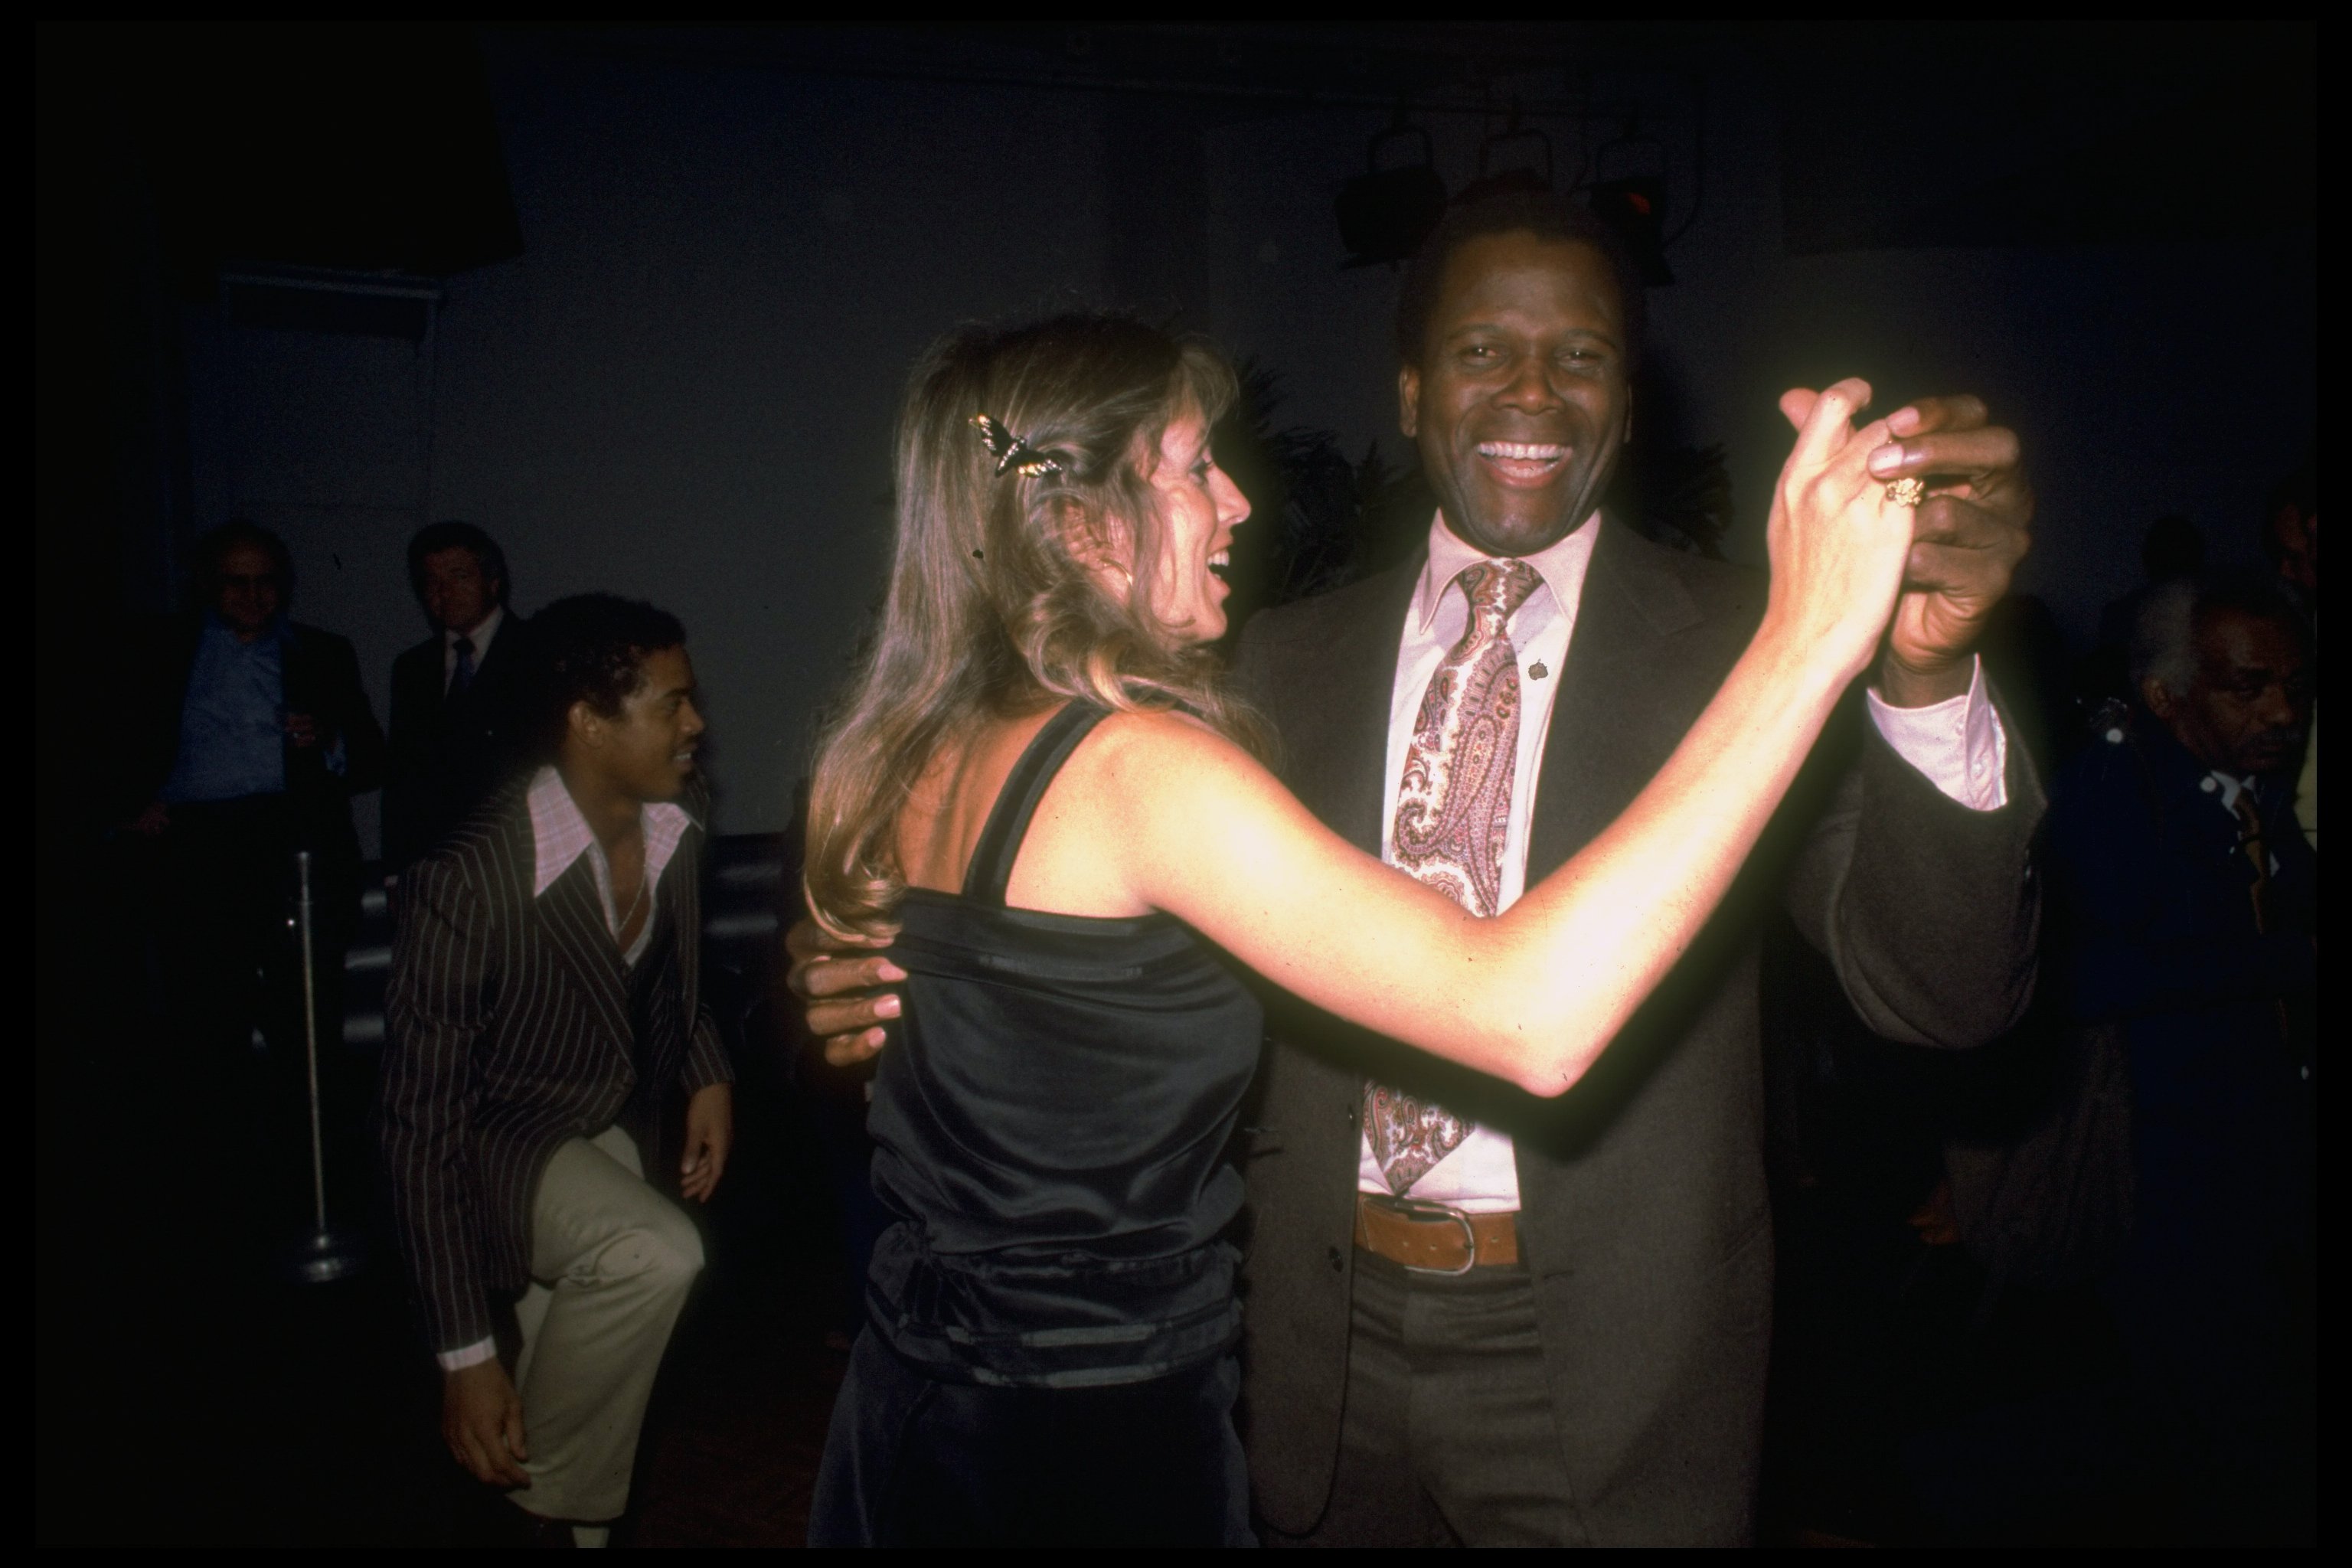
(508, 1032)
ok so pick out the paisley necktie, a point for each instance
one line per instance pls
(1453, 816)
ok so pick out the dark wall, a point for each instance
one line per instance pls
(683, 387)
(2147, 375)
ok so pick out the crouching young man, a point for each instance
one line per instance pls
(545, 1020)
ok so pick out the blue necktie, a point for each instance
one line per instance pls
(462, 676)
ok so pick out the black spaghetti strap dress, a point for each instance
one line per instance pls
(1048, 1354)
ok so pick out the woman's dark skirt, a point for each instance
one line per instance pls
(912, 1460)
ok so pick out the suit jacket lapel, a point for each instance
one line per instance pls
(1335, 724)
(680, 896)
(498, 663)
(1613, 723)
(296, 696)
(297, 671)
(574, 919)
(433, 697)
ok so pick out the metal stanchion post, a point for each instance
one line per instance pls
(325, 1252)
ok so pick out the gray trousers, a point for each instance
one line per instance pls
(611, 1262)
(1449, 1437)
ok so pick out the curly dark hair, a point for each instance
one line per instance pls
(1538, 213)
(592, 648)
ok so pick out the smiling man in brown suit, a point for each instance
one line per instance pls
(546, 1019)
(1472, 1316)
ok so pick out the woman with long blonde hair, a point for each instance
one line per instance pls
(1038, 795)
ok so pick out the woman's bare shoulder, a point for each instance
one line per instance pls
(948, 801)
(1164, 737)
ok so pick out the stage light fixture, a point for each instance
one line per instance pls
(1633, 200)
(1515, 158)
(1388, 210)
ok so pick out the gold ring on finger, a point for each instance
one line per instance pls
(1907, 492)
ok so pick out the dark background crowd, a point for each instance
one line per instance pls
(637, 302)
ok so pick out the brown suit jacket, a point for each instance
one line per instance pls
(508, 1032)
(1644, 1221)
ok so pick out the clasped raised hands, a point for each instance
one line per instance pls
(1838, 542)
(1968, 535)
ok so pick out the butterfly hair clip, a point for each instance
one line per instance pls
(1011, 452)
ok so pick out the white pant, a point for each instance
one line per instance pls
(611, 1262)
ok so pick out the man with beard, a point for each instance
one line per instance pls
(1475, 1316)
(2185, 902)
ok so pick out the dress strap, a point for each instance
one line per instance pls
(1008, 820)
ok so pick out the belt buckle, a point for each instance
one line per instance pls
(1424, 1209)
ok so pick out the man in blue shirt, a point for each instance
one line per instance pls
(249, 733)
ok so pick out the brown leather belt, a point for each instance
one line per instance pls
(1435, 1239)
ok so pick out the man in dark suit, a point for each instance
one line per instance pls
(2189, 906)
(545, 1019)
(2291, 539)
(246, 735)
(1594, 1372)
(455, 697)
(1471, 1315)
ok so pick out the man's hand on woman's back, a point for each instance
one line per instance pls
(841, 984)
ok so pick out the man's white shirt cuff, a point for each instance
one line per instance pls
(474, 1354)
(1960, 743)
